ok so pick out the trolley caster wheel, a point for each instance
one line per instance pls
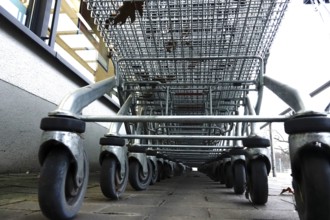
(111, 183)
(215, 173)
(179, 170)
(239, 178)
(229, 182)
(58, 195)
(168, 172)
(312, 192)
(154, 175)
(222, 174)
(137, 179)
(258, 182)
(160, 175)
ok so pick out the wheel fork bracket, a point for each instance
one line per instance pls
(73, 142)
(120, 153)
(142, 158)
(153, 159)
(296, 141)
(237, 157)
(253, 153)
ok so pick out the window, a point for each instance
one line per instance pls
(75, 37)
(16, 8)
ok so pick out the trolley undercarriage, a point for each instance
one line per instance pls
(187, 73)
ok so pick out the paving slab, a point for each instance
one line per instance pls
(191, 196)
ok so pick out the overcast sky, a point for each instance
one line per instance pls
(300, 54)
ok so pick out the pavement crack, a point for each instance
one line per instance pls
(120, 213)
(161, 203)
(209, 213)
(170, 193)
(288, 201)
(15, 202)
(206, 199)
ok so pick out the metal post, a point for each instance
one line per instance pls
(251, 112)
(272, 149)
(115, 127)
(53, 29)
(40, 14)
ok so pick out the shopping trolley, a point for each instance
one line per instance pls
(186, 75)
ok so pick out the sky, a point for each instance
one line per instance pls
(300, 55)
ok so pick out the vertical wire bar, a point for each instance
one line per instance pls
(167, 99)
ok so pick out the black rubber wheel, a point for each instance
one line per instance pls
(229, 176)
(258, 182)
(179, 171)
(212, 173)
(168, 171)
(137, 149)
(58, 196)
(137, 179)
(112, 185)
(256, 142)
(216, 176)
(62, 124)
(312, 192)
(239, 178)
(307, 124)
(154, 175)
(160, 171)
(117, 141)
(222, 174)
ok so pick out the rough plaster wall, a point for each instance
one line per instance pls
(20, 115)
(21, 67)
(29, 89)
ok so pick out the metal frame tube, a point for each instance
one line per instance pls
(297, 100)
(115, 127)
(73, 104)
(183, 137)
(251, 111)
(159, 146)
(184, 118)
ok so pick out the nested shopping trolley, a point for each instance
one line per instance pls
(185, 71)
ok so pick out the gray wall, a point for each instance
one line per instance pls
(20, 115)
(33, 80)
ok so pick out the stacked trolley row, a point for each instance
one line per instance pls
(185, 71)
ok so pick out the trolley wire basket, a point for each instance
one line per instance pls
(188, 57)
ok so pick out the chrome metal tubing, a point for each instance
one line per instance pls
(183, 118)
(74, 103)
(114, 127)
(184, 137)
(157, 146)
(251, 111)
(297, 100)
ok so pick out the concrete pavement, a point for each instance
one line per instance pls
(192, 196)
